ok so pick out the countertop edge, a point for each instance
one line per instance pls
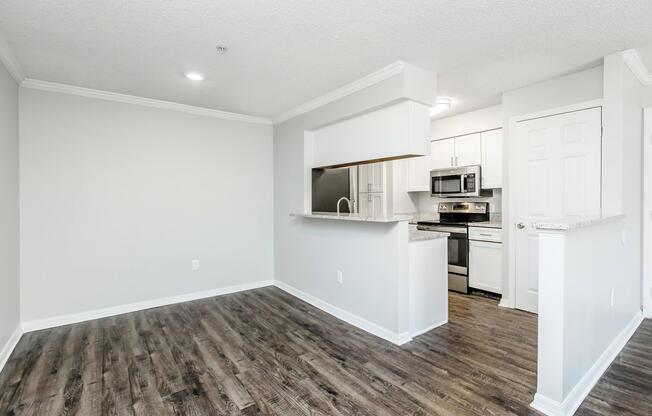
(573, 223)
(382, 220)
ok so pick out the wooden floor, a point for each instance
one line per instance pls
(266, 352)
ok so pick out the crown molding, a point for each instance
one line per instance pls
(348, 89)
(634, 62)
(147, 102)
(10, 62)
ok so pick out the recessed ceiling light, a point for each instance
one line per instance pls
(443, 104)
(194, 76)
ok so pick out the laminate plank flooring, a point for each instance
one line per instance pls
(264, 352)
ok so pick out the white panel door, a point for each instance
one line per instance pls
(492, 159)
(558, 168)
(442, 154)
(468, 150)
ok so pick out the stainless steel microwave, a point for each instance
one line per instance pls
(456, 182)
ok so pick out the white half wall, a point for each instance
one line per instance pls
(9, 216)
(588, 310)
(117, 200)
(373, 257)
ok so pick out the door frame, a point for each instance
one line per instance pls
(647, 212)
(509, 223)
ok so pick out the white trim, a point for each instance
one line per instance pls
(147, 102)
(10, 62)
(428, 329)
(36, 325)
(348, 89)
(634, 62)
(9, 346)
(582, 389)
(647, 211)
(509, 298)
(348, 317)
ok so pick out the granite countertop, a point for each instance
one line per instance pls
(353, 217)
(572, 222)
(487, 224)
(419, 235)
(423, 216)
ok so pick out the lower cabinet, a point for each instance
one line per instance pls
(486, 266)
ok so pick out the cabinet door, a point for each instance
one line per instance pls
(492, 159)
(468, 150)
(418, 174)
(371, 177)
(442, 154)
(377, 175)
(486, 266)
(401, 200)
(372, 205)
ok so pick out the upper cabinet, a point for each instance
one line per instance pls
(372, 177)
(442, 154)
(492, 159)
(392, 132)
(456, 151)
(485, 149)
(468, 150)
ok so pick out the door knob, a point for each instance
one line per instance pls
(520, 225)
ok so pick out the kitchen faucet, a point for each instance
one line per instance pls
(348, 202)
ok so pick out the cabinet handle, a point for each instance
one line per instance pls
(452, 161)
(455, 160)
(369, 187)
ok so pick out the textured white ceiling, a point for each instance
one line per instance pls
(283, 53)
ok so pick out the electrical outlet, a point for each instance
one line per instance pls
(195, 264)
(613, 298)
(340, 277)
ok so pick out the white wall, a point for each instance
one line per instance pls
(9, 238)
(558, 92)
(117, 199)
(489, 118)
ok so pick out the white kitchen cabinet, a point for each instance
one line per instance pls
(372, 177)
(492, 159)
(397, 130)
(442, 154)
(418, 174)
(372, 205)
(468, 150)
(486, 266)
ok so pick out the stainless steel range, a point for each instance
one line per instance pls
(454, 218)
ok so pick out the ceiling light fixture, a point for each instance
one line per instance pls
(194, 76)
(221, 48)
(443, 104)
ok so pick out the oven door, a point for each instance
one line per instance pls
(458, 255)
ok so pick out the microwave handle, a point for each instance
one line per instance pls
(463, 183)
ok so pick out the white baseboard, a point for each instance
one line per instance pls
(582, 389)
(505, 303)
(428, 329)
(36, 325)
(348, 317)
(9, 346)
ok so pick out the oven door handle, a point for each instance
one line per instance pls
(463, 184)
